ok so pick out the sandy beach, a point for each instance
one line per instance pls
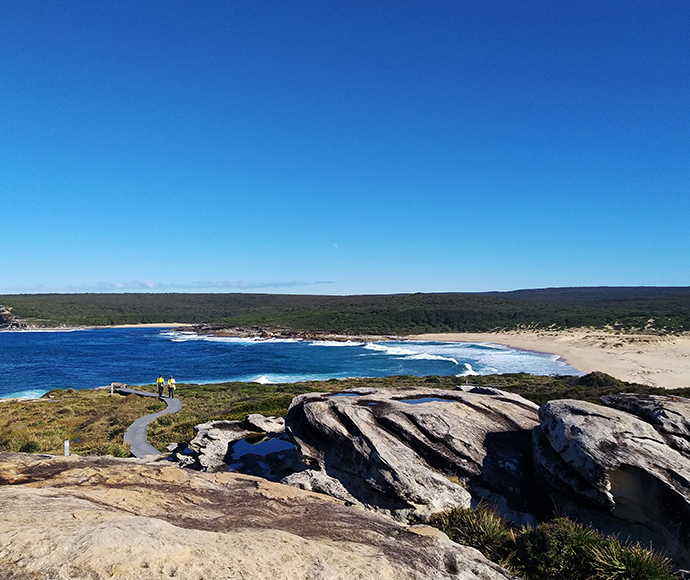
(659, 361)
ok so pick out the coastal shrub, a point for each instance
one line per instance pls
(30, 447)
(611, 308)
(630, 562)
(598, 379)
(481, 528)
(558, 549)
(114, 448)
(116, 432)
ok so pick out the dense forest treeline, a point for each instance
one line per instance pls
(642, 308)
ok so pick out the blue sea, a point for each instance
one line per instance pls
(34, 362)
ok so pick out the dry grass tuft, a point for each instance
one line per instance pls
(93, 421)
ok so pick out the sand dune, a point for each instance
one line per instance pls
(659, 361)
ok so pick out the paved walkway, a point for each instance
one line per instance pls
(136, 433)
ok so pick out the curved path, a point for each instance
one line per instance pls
(136, 432)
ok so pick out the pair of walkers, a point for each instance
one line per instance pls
(160, 383)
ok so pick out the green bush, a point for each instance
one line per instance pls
(630, 562)
(30, 447)
(481, 528)
(560, 549)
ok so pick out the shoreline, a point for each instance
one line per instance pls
(73, 328)
(652, 360)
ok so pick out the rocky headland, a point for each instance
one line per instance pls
(622, 466)
(278, 332)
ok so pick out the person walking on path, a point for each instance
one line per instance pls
(160, 381)
(171, 387)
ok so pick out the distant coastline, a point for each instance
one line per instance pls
(35, 328)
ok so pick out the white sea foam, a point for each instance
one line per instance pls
(488, 358)
(335, 343)
(427, 356)
(469, 371)
(420, 353)
(275, 379)
(28, 394)
(390, 350)
(176, 336)
(483, 358)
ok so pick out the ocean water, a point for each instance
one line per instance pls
(34, 362)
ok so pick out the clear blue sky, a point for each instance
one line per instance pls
(343, 147)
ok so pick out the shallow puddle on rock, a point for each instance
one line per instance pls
(426, 400)
(264, 456)
(259, 446)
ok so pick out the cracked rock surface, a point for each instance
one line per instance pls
(100, 517)
(416, 450)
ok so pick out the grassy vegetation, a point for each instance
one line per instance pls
(93, 421)
(589, 387)
(650, 309)
(557, 549)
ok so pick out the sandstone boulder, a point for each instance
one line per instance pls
(618, 471)
(259, 423)
(95, 518)
(417, 450)
(213, 441)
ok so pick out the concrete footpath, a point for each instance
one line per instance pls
(136, 433)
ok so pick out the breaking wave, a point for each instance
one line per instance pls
(185, 336)
(468, 372)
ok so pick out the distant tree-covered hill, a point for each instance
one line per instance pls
(644, 308)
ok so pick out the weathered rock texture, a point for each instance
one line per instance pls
(213, 440)
(415, 450)
(91, 518)
(625, 467)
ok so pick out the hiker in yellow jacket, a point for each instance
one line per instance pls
(160, 382)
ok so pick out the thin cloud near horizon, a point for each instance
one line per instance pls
(148, 285)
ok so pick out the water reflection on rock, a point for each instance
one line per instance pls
(271, 457)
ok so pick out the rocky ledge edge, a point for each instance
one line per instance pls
(101, 517)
